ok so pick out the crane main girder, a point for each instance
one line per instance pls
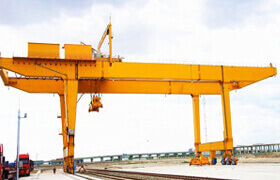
(143, 72)
(97, 76)
(68, 77)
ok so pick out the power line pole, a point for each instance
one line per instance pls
(18, 135)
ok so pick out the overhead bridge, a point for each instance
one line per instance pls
(239, 150)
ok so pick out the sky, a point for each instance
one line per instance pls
(233, 32)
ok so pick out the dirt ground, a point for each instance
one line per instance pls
(129, 164)
(249, 167)
(265, 158)
(49, 175)
(269, 158)
(254, 171)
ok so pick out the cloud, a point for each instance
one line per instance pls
(234, 14)
(30, 12)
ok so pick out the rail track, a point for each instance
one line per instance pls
(126, 175)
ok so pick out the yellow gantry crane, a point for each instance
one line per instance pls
(85, 70)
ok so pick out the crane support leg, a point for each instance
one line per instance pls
(70, 96)
(227, 117)
(199, 158)
(196, 122)
(64, 129)
(228, 157)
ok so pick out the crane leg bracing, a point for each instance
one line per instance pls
(44, 72)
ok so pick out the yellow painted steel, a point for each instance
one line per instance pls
(43, 50)
(105, 33)
(32, 85)
(4, 76)
(226, 115)
(196, 122)
(33, 67)
(212, 146)
(147, 87)
(110, 42)
(80, 73)
(199, 158)
(108, 31)
(64, 130)
(70, 94)
(78, 51)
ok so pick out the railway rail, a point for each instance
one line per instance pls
(126, 175)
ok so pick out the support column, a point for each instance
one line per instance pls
(158, 156)
(196, 122)
(64, 129)
(70, 95)
(227, 119)
(119, 158)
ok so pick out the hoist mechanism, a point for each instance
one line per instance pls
(81, 72)
(95, 104)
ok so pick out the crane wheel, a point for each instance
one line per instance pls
(214, 161)
(234, 160)
(223, 161)
(228, 162)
